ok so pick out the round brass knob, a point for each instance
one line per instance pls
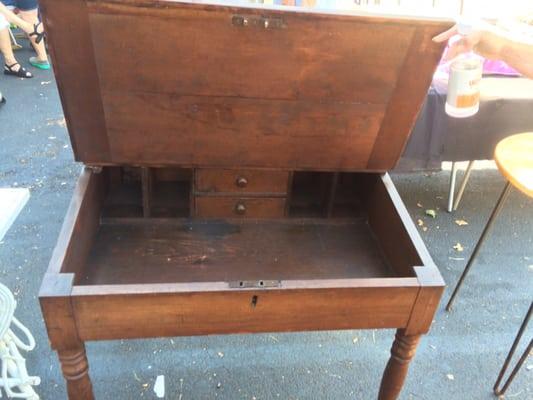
(241, 182)
(240, 208)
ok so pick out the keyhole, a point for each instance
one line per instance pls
(254, 301)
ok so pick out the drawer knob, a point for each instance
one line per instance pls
(240, 208)
(241, 182)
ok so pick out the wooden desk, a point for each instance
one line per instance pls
(242, 162)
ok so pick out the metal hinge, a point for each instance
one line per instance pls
(254, 284)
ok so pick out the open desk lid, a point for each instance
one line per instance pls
(146, 82)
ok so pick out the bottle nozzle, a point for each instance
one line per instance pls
(465, 25)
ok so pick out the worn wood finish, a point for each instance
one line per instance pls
(258, 182)
(203, 313)
(395, 234)
(56, 306)
(236, 95)
(187, 251)
(332, 275)
(239, 207)
(71, 49)
(80, 224)
(239, 120)
(408, 96)
(282, 134)
(402, 351)
(75, 370)
(427, 301)
(147, 191)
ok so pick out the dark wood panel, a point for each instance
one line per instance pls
(239, 207)
(147, 186)
(408, 96)
(427, 301)
(71, 48)
(395, 231)
(149, 315)
(310, 95)
(226, 132)
(188, 251)
(351, 60)
(80, 225)
(212, 180)
(388, 225)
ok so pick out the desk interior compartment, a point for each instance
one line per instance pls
(367, 234)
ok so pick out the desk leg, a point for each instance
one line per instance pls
(402, 351)
(75, 368)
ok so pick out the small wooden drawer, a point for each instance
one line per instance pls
(239, 207)
(213, 180)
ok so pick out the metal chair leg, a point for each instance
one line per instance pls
(490, 222)
(14, 43)
(523, 358)
(451, 190)
(466, 177)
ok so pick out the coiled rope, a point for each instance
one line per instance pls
(14, 374)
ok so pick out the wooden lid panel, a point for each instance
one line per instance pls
(189, 84)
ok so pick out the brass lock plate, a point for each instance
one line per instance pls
(254, 284)
(254, 21)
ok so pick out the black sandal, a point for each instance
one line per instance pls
(21, 73)
(38, 35)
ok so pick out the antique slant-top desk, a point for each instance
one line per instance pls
(235, 175)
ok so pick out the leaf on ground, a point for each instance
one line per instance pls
(425, 228)
(431, 213)
(461, 222)
(419, 222)
(419, 205)
(458, 247)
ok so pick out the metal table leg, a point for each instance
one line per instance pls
(496, 389)
(459, 195)
(451, 191)
(490, 222)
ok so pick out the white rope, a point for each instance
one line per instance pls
(13, 372)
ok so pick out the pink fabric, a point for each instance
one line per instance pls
(492, 67)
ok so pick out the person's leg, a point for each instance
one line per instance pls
(13, 18)
(28, 12)
(41, 61)
(6, 49)
(12, 67)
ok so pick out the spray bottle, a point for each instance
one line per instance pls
(465, 76)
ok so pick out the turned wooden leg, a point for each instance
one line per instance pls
(402, 351)
(75, 368)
